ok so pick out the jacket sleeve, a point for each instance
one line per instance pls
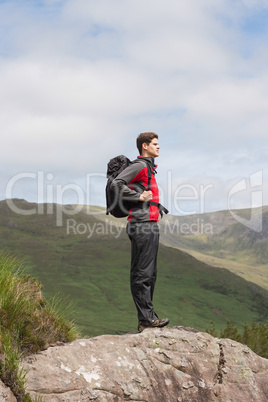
(120, 184)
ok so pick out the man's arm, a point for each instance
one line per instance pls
(132, 173)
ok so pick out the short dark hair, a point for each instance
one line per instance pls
(145, 138)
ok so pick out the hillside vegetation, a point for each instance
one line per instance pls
(93, 270)
(219, 240)
(255, 336)
(220, 235)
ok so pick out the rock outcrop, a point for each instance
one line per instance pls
(5, 394)
(162, 364)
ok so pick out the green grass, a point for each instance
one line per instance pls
(28, 322)
(256, 273)
(94, 274)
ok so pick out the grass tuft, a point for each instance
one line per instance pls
(28, 322)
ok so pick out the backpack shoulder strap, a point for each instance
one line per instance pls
(149, 178)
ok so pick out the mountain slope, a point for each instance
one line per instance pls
(219, 240)
(221, 235)
(89, 262)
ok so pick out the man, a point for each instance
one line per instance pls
(137, 183)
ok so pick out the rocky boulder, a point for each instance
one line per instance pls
(161, 364)
(5, 394)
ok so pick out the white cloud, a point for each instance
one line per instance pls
(80, 79)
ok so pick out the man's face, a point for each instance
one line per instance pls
(152, 149)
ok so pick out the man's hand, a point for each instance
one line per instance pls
(146, 196)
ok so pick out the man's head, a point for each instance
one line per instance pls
(147, 144)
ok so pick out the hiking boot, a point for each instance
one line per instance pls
(155, 324)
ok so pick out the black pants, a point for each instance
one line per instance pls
(144, 238)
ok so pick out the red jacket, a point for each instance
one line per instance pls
(131, 182)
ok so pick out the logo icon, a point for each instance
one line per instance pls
(254, 186)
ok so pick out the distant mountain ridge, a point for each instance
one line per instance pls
(222, 241)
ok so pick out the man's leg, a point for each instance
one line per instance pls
(144, 238)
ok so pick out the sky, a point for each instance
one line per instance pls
(80, 79)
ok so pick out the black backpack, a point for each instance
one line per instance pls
(114, 203)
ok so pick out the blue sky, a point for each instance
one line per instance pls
(80, 79)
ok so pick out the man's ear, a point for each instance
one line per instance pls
(144, 146)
